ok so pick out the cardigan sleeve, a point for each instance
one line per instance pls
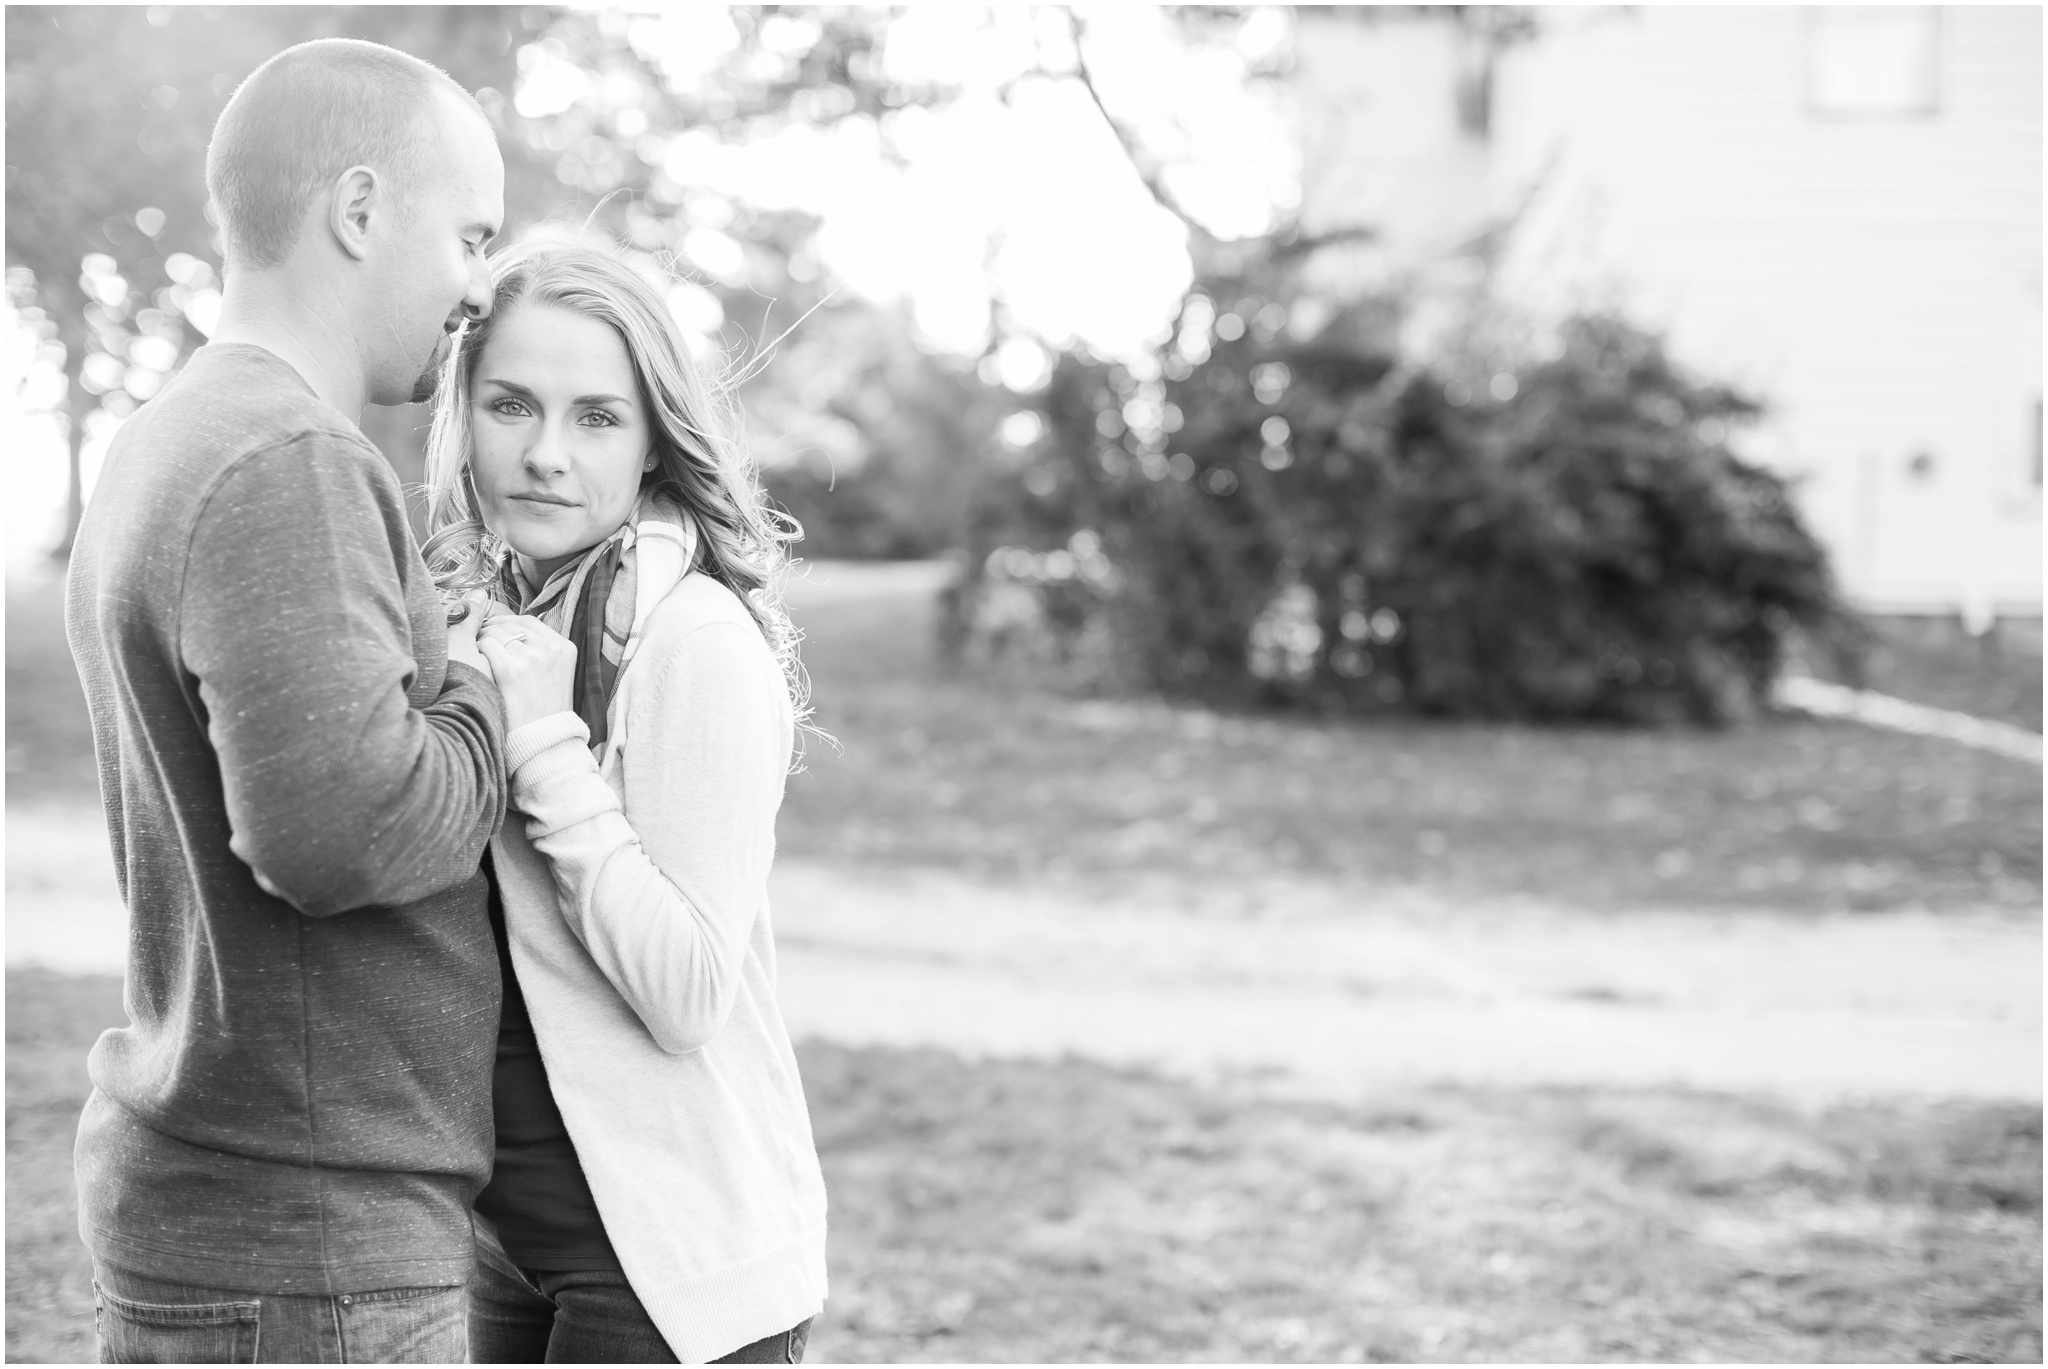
(664, 894)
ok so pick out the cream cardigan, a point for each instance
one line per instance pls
(636, 904)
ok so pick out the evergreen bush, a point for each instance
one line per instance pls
(1272, 520)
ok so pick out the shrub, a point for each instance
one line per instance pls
(871, 444)
(1318, 523)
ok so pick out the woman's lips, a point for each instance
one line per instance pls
(543, 501)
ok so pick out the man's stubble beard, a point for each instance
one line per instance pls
(429, 383)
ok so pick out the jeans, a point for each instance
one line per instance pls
(580, 1316)
(143, 1320)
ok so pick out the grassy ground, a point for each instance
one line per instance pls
(996, 776)
(51, 1022)
(49, 737)
(1012, 1211)
(1009, 1211)
(1933, 661)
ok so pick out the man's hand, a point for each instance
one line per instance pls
(534, 665)
(462, 635)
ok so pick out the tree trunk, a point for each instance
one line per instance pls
(77, 404)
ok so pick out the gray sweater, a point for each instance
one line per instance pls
(298, 786)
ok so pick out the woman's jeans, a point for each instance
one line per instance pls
(580, 1316)
(158, 1321)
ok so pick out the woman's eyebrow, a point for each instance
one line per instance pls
(516, 388)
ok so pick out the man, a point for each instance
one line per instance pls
(301, 761)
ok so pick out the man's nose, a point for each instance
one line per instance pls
(476, 302)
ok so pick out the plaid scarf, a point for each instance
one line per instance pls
(602, 600)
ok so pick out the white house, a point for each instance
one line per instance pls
(1839, 208)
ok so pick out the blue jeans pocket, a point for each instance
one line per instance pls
(175, 1333)
(404, 1326)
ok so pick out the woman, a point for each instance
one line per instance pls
(657, 1193)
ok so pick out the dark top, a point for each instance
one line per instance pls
(298, 786)
(537, 1199)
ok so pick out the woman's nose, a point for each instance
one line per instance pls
(546, 456)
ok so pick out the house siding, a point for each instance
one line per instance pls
(1878, 280)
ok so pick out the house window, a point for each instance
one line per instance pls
(1872, 63)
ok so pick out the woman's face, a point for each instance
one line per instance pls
(559, 435)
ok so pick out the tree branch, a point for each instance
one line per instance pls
(1143, 162)
(1301, 245)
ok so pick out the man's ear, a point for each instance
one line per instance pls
(358, 194)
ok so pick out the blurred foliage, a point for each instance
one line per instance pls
(883, 444)
(606, 118)
(602, 105)
(1286, 511)
(1276, 506)
(109, 108)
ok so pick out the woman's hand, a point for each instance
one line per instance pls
(465, 616)
(534, 665)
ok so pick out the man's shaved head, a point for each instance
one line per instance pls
(304, 117)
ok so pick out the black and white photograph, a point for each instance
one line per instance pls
(1023, 683)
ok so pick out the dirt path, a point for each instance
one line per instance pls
(1338, 992)
(1318, 988)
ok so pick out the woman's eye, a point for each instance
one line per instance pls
(511, 408)
(598, 418)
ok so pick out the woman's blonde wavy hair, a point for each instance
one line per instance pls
(743, 541)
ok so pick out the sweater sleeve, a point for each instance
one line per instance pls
(340, 792)
(664, 894)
